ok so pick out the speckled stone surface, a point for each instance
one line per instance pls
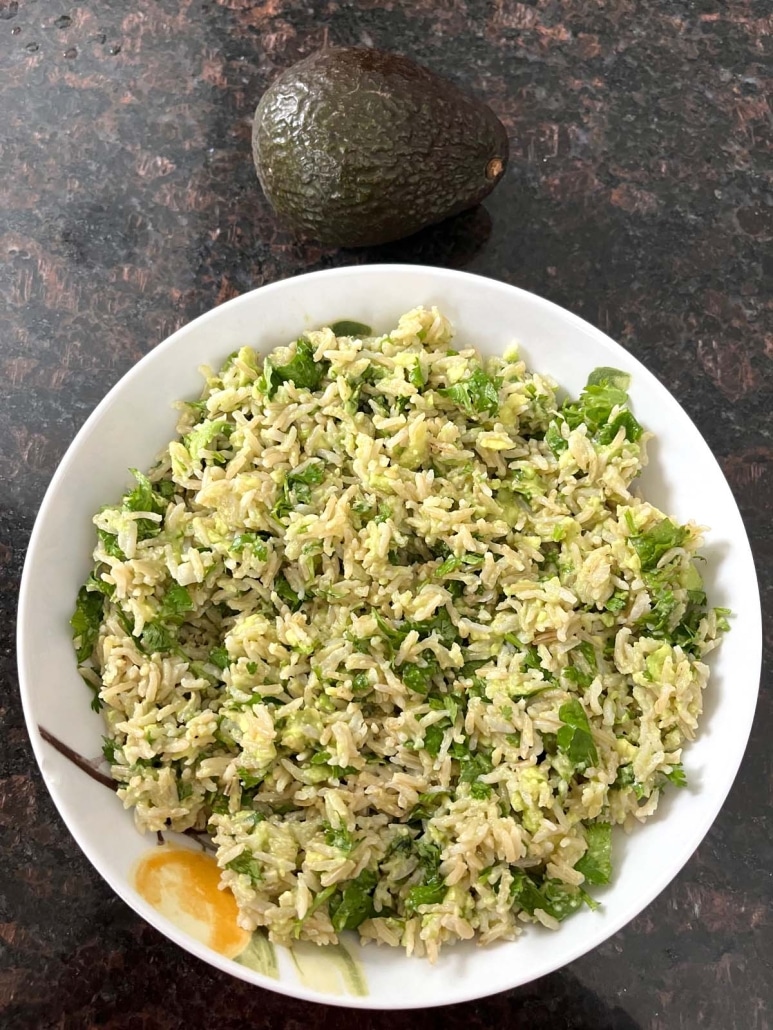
(639, 196)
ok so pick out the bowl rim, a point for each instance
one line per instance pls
(119, 885)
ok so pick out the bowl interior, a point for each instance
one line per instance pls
(136, 420)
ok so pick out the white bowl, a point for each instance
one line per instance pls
(136, 420)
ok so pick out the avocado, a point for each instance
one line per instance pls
(356, 146)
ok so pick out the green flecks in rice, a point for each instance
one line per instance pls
(387, 621)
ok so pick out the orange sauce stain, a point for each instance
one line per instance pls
(183, 886)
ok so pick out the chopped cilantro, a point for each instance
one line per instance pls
(596, 864)
(418, 677)
(85, 621)
(354, 904)
(219, 656)
(453, 563)
(676, 775)
(176, 602)
(246, 865)
(655, 542)
(416, 374)
(108, 750)
(286, 593)
(302, 370)
(550, 896)
(156, 638)
(296, 488)
(479, 393)
(144, 498)
(201, 436)
(574, 738)
(339, 837)
(110, 546)
(361, 683)
(433, 738)
(251, 542)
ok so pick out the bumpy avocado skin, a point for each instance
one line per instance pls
(356, 147)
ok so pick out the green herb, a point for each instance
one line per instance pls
(562, 901)
(623, 420)
(250, 542)
(451, 703)
(525, 893)
(418, 677)
(296, 488)
(478, 393)
(143, 498)
(110, 546)
(480, 790)
(166, 488)
(374, 374)
(474, 765)
(416, 374)
(606, 389)
(427, 805)
(441, 624)
(176, 602)
(384, 512)
(617, 602)
(361, 683)
(219, 656)
(249, 779)
(302, 369)
(432, 890)
(433, 738)
(85, 622)
(525, 482)
(156, 639)
(426, 894)
(96, 583)
(723, 625)
(655, 542)
(574, 738)
(596, 864)
(588, 652)
(554, 439)
(108, 750)
(320, 899)
(246, 865)
(339, 837)
(582, 674)
(454, 563)
(347, 328)
(220, 804)
(286, 593)
(459, 749)
(676, 775)
(550, 896)
(228, 362)
(658, 619)
(354, 904)
(202, 435)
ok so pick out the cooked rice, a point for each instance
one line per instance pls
(395, 638)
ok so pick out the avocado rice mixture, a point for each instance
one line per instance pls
(388, 623)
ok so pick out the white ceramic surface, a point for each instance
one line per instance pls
(134, 422)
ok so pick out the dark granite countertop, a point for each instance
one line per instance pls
(639, 196)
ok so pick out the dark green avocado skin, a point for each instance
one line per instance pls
(356, 147)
